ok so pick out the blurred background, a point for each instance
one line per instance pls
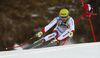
(22, 19)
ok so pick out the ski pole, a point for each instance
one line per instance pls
(21, 45)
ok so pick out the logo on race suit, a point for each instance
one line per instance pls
(65, 34)
(63, 13)
(51, 36)
(63, 25)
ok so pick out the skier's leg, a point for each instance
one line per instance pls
(63, 38)
(50, 36)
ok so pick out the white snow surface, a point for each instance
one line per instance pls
(83, 50)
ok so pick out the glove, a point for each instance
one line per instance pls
(70, 34)
(39, 34)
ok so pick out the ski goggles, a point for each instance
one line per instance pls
(63, 17)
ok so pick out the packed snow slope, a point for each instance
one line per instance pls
(84, 50)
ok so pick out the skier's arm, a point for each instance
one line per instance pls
(72, 28)
(51, 24)
(46, 28)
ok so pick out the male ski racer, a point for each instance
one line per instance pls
(63, 30)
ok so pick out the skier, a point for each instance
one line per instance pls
(63, 30)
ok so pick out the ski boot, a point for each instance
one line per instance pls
(52, 43)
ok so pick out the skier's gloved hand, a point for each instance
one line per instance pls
(39, 34)
(70, 34)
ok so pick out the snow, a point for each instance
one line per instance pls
(83, 50)
(35, 15)
(51, 8)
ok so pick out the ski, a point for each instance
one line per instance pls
(36, 43)
(52, 43)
